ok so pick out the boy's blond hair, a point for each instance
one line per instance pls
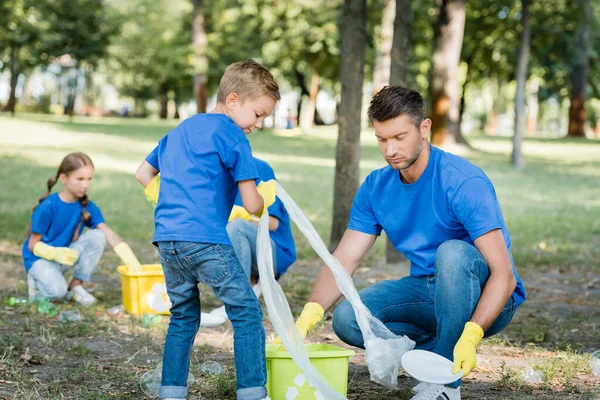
(248, 79)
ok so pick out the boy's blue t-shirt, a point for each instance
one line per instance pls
(453, 199)
(285, 252)
(200, 163)
(56, 221)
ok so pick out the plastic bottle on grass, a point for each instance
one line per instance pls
(12, 301)
(212, 368)
(150, 320)
(151, 380)
(69, 316)
(45, 306)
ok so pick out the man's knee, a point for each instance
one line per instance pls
(453, 254)
(345, 326)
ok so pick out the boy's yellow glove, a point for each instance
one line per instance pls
(62, 255)
(268, 191)
(311, 314)
(152, 189)
(465, 357)
(126, 254)
(238, 212)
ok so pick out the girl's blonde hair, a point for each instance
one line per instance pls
(70, 163)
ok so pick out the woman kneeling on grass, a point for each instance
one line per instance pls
(55, 242)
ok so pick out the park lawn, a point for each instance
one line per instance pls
(551, 207)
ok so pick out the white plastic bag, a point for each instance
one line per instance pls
(383, 348)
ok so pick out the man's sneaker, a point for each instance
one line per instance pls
(209, 320)
(80, 296)
(431, 391)
(420, 386)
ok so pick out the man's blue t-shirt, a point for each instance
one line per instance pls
(200, 163)
(285, 252)
(453, 199)
(56, 221)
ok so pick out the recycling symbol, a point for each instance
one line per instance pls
(308, 393)
(158, 300)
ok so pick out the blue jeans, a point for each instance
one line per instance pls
(242, 234)
(431, 310)
(185, 264)
(47, 276)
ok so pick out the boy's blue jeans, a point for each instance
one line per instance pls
(185, 264)
(431, 310)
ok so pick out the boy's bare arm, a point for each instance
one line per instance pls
(145, 173)
(252, 201)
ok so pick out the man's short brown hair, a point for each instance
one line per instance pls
(248, 79)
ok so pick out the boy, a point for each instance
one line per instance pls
(202, 163)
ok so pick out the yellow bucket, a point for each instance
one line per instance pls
(144, 291)
(286, 381)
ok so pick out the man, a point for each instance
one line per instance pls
(442, 213)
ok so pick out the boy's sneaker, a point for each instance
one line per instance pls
(220, 312)
(420, 386)
(432, 391)
(80, 296)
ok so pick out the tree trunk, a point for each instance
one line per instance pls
(14, 78)
(383, 61)
(533, 106)
(354, 21)
(491, 125)
(448, 36)
(579, 74)
(199, 42)
(163, 93)
(399, 77)
(401, 43)
(517, 159)
(72, 83)
(177, 101)
(309, 115)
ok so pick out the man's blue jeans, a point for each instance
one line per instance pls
(430, 310)
(185, 264)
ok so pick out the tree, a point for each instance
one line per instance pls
(448, 34)
(579, 73)
(199, 42)
(354, 18)
(383, 60)
(517, 159)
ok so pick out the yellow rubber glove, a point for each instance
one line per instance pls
(62, 255)
(465, 357)
(311, 314)
(238, 212)
(268, 191)
(126, 254)
(152, 189)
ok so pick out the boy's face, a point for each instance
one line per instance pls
(250, 113)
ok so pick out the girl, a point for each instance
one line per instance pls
(55, 242)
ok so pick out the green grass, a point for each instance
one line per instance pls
(551, 206)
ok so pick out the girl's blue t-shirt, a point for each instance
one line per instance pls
(285, 251)
(453, 199)
(56, 221)
(200, 163)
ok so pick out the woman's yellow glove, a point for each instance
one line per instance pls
(152, 189)
(465, 357)
(126, 254)
(238, 212)
(62, 255)
(268, 191)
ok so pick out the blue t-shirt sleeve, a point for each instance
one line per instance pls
(362, 217)
(476, 207)
(96, 215)
(152, 158)
(240, 163)
(41, 218)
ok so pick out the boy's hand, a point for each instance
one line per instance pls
(238, 212)
(465, 357)
(62, 255)
(151, 191)
(268, 191)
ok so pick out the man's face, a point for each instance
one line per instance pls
(250, 113)
(400, 141)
